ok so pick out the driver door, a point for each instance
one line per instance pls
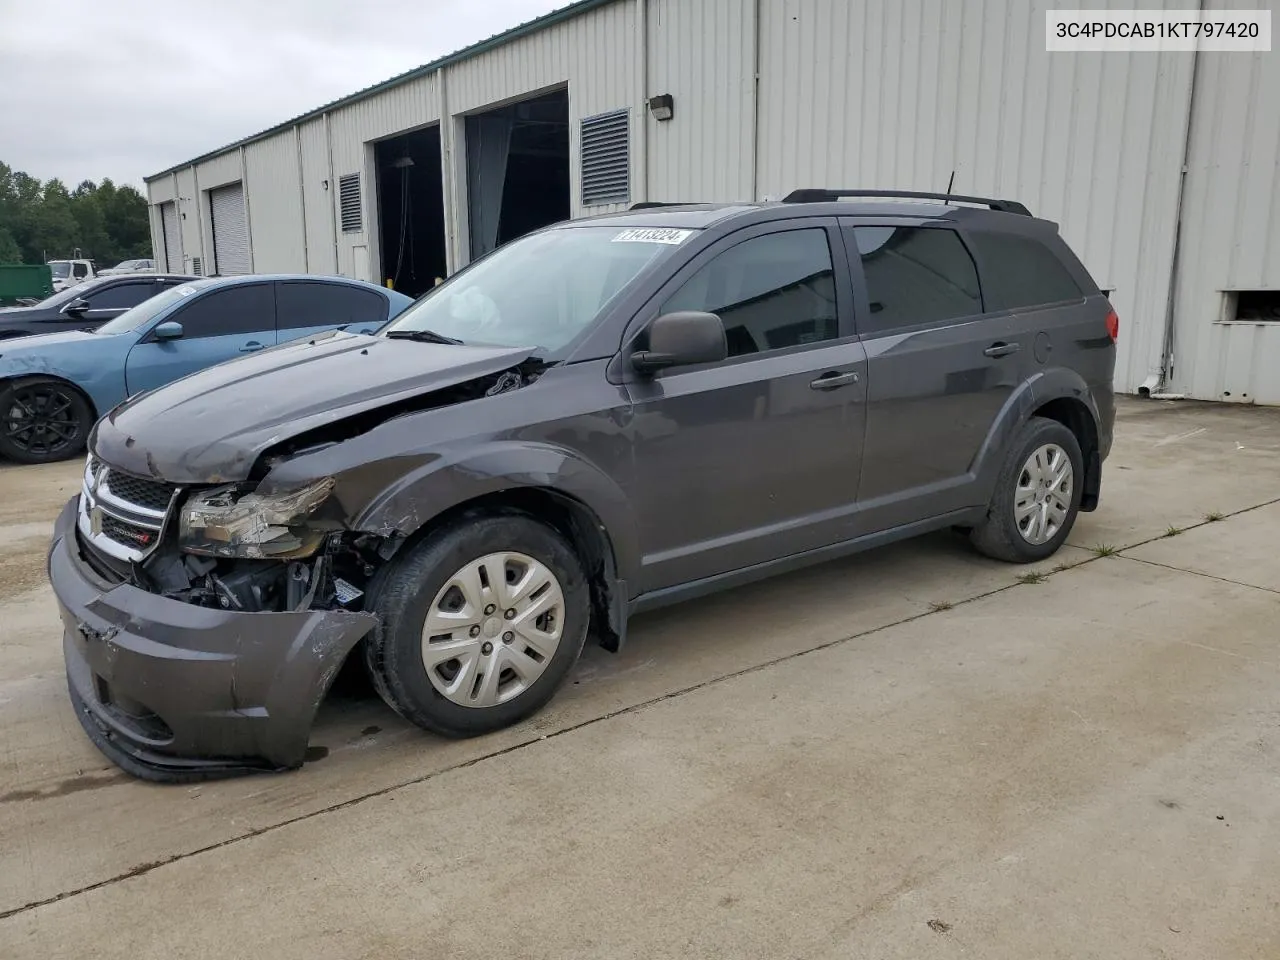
(757, 457)
(218, 325)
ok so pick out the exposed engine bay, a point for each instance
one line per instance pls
(247, 546)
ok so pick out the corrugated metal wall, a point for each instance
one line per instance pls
(352, 129)
(1230, 228)
(706, 151)
(318, 198)
(893, 93)
(596, 54)
(899, 93)
(276, 233)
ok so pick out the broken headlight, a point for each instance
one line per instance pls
(232, 521)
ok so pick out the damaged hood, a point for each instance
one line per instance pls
(212, 426)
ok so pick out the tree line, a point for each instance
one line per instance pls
(44, 221)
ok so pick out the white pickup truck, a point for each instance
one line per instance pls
(67, 273)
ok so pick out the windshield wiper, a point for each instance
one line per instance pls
(422, 336)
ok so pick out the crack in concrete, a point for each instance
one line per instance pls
(145, 868)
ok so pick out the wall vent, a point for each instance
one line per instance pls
(349, 203)
(606, 158)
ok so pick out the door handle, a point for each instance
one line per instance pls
(251, 346)
(1000, 349)
(832, 381)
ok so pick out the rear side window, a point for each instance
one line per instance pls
(300, 303)
(915, 275)
(1019, 271)
(241, 309)
(772, 292)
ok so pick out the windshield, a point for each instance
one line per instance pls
(61, 269)
(148, 310)
(541, 290)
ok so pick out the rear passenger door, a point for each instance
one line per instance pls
(308, 307)
(221, 324)
(939, 368)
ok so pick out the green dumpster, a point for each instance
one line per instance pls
(22, 281)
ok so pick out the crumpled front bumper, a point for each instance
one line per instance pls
(174, 692)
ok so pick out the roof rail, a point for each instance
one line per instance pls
(820, 195)
(648, 204)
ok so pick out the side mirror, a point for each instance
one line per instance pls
(169, 330)
(77, 307)
(681, 339)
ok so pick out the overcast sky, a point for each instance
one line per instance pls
(124, 88)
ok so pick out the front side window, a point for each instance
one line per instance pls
(541, 290)
(238, 310)
(151, 308)
(915, 275)
(771, 292)
(80, 270)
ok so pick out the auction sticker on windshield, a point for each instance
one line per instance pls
(653, 235)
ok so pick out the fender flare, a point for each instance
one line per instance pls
(446, 482)
(1032, 394)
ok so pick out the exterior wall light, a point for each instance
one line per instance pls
(662, 107)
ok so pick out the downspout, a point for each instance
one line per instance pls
(642, 128)
(447, 174)
(302, 199)
(755, 101)
(1164, 375)
(248, 213)
(333, 194)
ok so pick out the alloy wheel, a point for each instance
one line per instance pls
(41, 420)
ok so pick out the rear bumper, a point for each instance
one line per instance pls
(172, 692)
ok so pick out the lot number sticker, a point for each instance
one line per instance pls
(653, 235)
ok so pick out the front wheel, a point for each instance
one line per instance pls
(1037, 495)
(42, 420)
(480, 624)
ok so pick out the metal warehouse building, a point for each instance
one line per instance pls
(1162, 169)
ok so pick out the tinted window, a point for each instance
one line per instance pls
(772, 292)
(122, 296)
(79, 270)
(915, 275)
(303, 304)
(1021, 272)
(235, 310)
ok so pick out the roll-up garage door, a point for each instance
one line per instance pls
(172, 238)
(230, 233)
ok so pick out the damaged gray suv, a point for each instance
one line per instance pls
(599, 418)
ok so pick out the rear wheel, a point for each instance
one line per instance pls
(1037, 495)
(480, 625)
(43, 419)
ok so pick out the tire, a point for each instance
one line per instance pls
(459, 697)
(1020, 493)
(43, 420)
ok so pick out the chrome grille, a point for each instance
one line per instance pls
(122, 516)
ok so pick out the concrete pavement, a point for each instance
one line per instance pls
(906, 754)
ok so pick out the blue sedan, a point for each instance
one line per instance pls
(53, 387)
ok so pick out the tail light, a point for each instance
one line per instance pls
(1113, 326)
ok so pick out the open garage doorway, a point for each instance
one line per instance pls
(517, 169)
(411, 211)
